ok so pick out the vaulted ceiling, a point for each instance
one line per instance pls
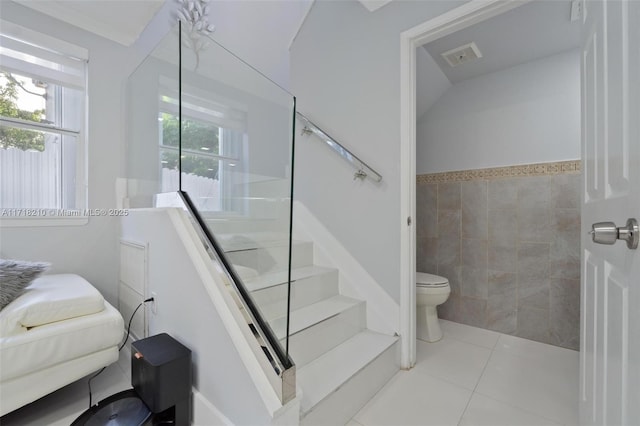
(533, 31)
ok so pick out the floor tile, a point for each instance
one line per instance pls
(452, 360)
(63, 406)
(414, 398)
(546, 386)
(535, 350)
(466, 333)
(485, 411)
(353, 422)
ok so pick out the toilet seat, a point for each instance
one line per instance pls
(424, 279)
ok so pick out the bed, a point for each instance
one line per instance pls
(58, 331)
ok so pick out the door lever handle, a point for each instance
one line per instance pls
(608, 233)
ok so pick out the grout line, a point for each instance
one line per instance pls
(520, 408)
(449, 381)
(473, 327)
(483, 370)
(479, 379)
(476, 386)
(465, 408)
(495, 345)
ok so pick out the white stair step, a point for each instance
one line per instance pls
(309, 285)
(332, 371)
(272, 257)
(251, 240)
(240, 225)
(312, 342)
(267, 280)
(303, 318)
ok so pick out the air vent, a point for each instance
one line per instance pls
(461, 55)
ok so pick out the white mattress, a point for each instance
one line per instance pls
(50, 344)
(48, 299)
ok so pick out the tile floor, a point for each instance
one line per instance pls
(62, 407)
(471, 377)
(478, 377)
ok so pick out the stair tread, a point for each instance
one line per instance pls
(280, 277)
(253, 240)
(309, 315)
(327, 373)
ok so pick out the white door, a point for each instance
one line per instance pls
(610, 326)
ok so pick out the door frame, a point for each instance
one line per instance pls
(449, 22)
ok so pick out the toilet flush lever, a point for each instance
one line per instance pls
(608, 233)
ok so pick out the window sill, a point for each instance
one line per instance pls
(21, 222)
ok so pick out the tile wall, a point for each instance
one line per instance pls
(509, 243)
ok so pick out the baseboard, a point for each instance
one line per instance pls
(383, 313)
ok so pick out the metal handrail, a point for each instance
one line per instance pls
(363, 169)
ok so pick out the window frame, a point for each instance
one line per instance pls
(193, 109)
(13, 35)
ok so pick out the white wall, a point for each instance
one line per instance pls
(90, 250)
(526, 114)
(345, 72)
(431, 83)
(260, 32)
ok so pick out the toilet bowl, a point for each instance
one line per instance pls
(431, 291)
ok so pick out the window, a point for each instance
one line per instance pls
(42, 124)
(213, 152)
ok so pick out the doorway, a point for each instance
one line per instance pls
(499, 171)
(610, 55)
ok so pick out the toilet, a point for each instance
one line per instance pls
(431, 291)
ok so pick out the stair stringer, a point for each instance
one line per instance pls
(178, 257)
(383, 313)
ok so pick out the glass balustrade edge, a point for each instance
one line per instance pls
(279, 359)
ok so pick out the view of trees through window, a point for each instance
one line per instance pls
(22, 98)
(200, 140)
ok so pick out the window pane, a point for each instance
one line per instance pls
(197, 135)
(199, 178)
(31, 169)
(22, 97)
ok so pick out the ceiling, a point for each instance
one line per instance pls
(122, 21)
(533, 31)
(117, 20)
(373, 5)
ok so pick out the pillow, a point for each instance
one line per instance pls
(15, 275)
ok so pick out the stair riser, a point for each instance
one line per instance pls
(340, 406)
(312, 342)
(304, 292)
(230, 226)
(273, 258)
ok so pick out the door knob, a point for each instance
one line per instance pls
(608, 233)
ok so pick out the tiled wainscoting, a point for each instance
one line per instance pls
(508, 240)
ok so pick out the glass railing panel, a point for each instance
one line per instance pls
(235, 159)
(220, 134)
(152, 124)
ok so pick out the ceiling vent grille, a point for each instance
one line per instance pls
(461, 55)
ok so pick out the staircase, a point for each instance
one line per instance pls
(340, 363)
